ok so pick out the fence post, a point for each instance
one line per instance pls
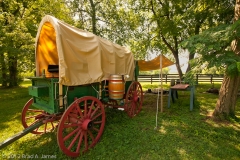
(151, 79)
(197, 78)
(166, 78)
(211, 78)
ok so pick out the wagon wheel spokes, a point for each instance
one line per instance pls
(31, 115)
(81, 126)
(134, 99)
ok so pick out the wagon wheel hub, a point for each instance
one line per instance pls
(87, 124)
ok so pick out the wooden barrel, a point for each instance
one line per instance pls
(116, 87)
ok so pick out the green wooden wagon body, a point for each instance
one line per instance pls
(45, 93)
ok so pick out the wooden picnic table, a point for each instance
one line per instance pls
(181, 87)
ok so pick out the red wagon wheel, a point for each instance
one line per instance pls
(81, 126)
(31, 115)
(134, 99)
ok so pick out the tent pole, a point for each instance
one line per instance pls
(160, 77)
(161, 84)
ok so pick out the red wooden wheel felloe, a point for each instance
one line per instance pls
(134, 99)
(31, 115)
(81, 126)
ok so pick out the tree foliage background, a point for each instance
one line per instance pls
(214, 50)
(19, 21)
(147, 27)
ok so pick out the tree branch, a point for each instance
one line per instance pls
(167, 44)
(160, 2)
(103, 20)
(175, 42)
(82, 10)
(151, 3)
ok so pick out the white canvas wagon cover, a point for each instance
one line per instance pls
(83, 57)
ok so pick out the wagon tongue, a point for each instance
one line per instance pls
(20, 134)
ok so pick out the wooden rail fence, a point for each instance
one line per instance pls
(168, 77)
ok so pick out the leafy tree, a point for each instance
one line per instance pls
(214, 47)
(164, 71)
(150, 26)
(19, 24)
(171, 22)
(87, 14)
(155, 72)
(14, 39)
(117, 21)
(145, 72)
(226, 103)
(213, 70)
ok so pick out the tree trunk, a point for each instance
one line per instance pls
(196, 32)
(190, 57)
(226, 103)
(93, 15)
(175, 54)
(13, 72)
(3, 71)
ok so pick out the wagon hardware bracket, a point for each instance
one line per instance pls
(20, 134)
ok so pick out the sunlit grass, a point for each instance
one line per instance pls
(26, 83)
(178, 134)
(147, 86)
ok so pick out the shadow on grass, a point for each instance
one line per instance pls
(12, 103)
(180, 134)
(191, 135)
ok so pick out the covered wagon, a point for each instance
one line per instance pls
(78, 74)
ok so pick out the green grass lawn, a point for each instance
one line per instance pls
(180, 133)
